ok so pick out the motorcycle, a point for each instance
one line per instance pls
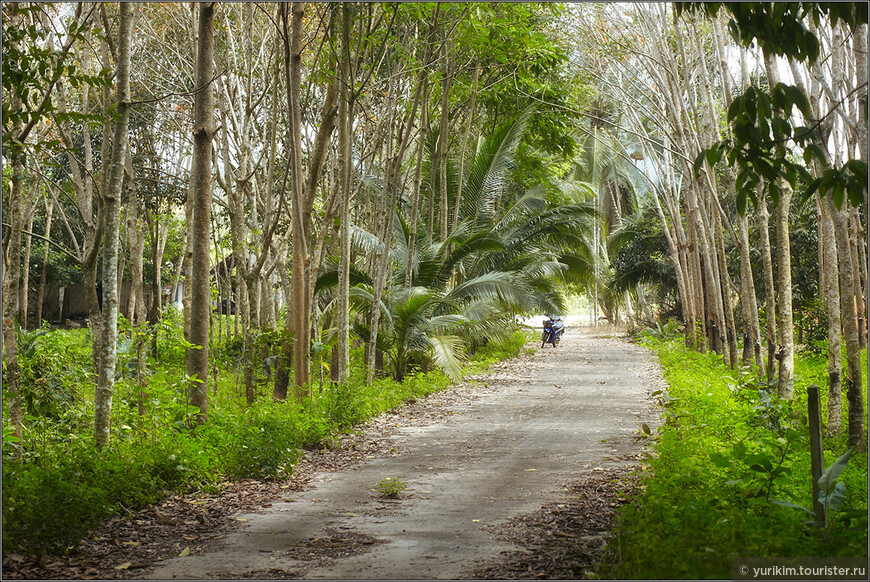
(553, 329)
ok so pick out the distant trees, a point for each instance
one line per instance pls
(408, 177)
(717, 131)
(384, 145)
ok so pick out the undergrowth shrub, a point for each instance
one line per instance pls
(47, 508)
(56, 485)
(727, 449)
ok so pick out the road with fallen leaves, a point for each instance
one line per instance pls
(472, 460)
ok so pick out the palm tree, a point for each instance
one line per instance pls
(508, 254)
(605, 167)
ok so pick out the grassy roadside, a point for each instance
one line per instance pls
(60, 486)
(725, 450)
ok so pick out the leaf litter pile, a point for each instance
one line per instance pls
(563, 540)
(126, 545)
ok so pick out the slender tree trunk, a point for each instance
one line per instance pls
(763, 218)
(297, 318)
(465, 139)
(860, 304)
(112, 196)
(384, 258)
(785, 384)
(444, 212)
(12, 268)
(850, 326)
(187, 261)
(830, 274)
(345, 132)
(40, 292)
(748, 300)
(136, 306)
(415, 195)
(200, 188)
(725, 290)
(24, 290)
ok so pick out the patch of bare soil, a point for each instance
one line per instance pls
(125, 544)
(563, 540)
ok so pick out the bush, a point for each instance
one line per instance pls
(726, 449)
(57, 486)
(261, 443)
(47, 509)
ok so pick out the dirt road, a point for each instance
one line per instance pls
(535, 425)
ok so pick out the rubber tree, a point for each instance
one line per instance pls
(200, 190)
(112, 211)
(297, 344)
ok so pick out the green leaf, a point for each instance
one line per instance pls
(799, 100)
(720, 460)
(838, 194)
(836, 500)
(735, 109)
(790, 504)
(714, 154)
(781, 128)
(699, 162)
(741, 202)
(829, 478)
(765, 168)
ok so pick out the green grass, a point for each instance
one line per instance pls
(706, 488)
(57, 486)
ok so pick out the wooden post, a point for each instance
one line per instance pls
(817, 461)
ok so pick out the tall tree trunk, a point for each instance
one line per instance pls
(40, 291)
(785, 384)
(136, 305)
(850, 326)
(465, 139)
(763, 218)
(345, 132)
(860, 303)
(24, 290)
(441, 147)
(297, 318)
(200, 188)
(12, 265)
(384, 259)
(112, 197)
(415, 195)
(830, 274)
(187, 260)
(748, 300)
(303, 194)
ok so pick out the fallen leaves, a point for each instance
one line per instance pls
(562, 541)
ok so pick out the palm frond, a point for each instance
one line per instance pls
(328, 277)
(446, 352)
(488, 173)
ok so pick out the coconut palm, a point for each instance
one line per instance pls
(509, 253)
